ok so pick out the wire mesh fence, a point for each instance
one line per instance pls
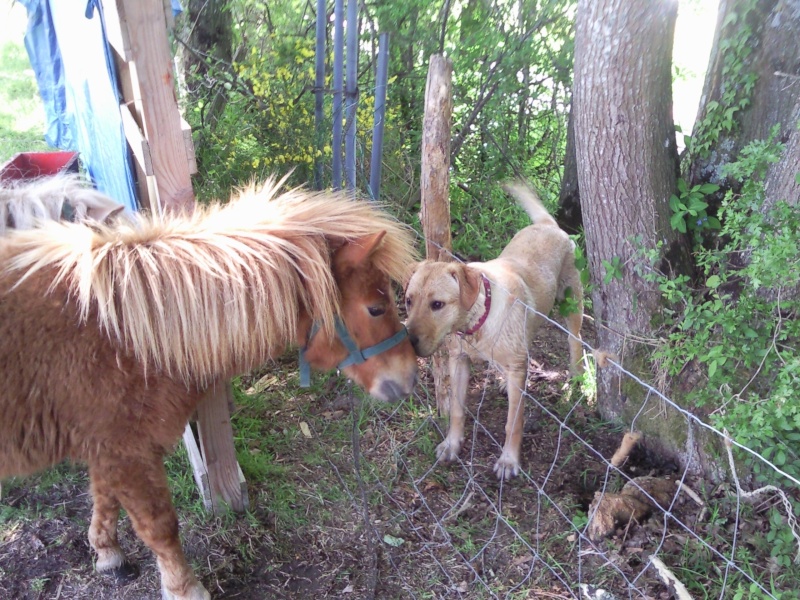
(581, 520)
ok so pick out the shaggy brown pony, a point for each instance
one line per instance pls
(111, 334)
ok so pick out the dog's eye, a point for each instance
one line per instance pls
(376, 311)
(437, 305)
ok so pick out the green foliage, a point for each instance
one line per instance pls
(612, 269)
(689, 208)
(512, 79)
(740, 324)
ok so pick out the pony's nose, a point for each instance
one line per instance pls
(392, 390)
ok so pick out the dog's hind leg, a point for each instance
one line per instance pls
(103, 531)
(574, 321)
(507, 466)
(140, 484)
(570, 279)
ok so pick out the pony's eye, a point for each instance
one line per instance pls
(408, 302)
(437, 305)
(376, 311)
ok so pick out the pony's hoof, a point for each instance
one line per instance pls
(123, 574)
(195, 592)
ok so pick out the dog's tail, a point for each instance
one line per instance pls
(529, 200)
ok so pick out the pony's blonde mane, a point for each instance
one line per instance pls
(215, 292)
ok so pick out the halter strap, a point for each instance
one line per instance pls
(354, 356)
(487, 305)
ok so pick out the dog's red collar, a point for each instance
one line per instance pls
(487, 305)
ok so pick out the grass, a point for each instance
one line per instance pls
(21, 111)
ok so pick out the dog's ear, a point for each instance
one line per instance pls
(469, 285)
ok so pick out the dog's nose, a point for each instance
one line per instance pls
(414, 339)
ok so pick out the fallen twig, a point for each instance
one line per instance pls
(629, 441)
(669, 578)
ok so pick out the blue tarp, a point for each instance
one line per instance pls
(67, 47)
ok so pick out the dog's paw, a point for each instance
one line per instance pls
(448, 450)
(507, 466)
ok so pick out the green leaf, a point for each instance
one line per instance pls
(710, 188)
(696, 204)
(392, 541)
(713, 282)
(676, 221)
(712, 368)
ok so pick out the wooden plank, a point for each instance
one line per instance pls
(116, 28)
(225, 479)
(161, 120)
(198, 466)
(435, 182)
(129, 86)
(138, 145)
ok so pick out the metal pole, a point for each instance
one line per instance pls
(382, 79)
(338, 71)
(351, 95)
(319, 83)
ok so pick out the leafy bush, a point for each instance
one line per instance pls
(740, 323)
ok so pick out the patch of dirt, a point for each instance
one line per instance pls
(444, 531)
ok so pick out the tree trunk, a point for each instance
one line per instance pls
(627, 168)
(751, 84)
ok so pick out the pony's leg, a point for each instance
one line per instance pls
(141, 487)
(103, 531)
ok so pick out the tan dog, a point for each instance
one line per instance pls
(479, 310)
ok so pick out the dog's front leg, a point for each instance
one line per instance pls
(459, 364)
(507, 466)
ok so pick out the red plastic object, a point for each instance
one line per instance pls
(31, 165)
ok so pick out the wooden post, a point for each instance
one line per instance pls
(225, 480)
(163, 153)
(435, 181)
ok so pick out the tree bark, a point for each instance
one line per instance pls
(765, 75)
(627, 168)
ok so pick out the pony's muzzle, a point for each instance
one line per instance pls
(392, 391)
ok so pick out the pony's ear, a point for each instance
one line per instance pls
(469, 285)
(357, 251)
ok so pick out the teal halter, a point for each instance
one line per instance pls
(355, 356)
